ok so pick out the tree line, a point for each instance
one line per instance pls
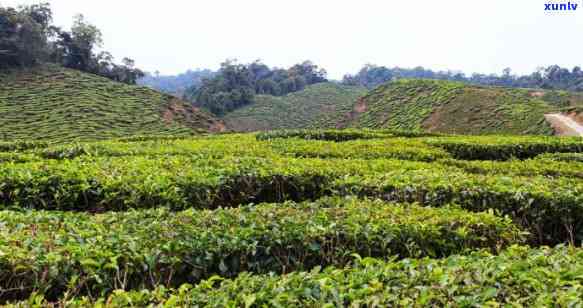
(552, 77)
(235, 85)
(28, 38)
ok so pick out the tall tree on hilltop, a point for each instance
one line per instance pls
(28, 38)
(24, 34)
(235, 85)
(78, 44)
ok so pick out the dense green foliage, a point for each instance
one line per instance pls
(24, 35)
(58, 104)
(326, 135)
(235, 85)
(86, 254)
(568, 157)
(235, 169)
(520, 277)
(452, 107)
(321, 105)
(339, 135)
(113, 195)
(506, 148)
(135, 218)
(28, 38)
(552, 77)
(19, 145)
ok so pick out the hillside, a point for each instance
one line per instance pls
(451, 107)
(321, 105)
(176, 85)
(55, 103)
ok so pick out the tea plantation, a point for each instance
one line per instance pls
(459, 108)
(321, 105)
(59, 104)
(298, 218)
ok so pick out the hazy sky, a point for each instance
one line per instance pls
(468, 35)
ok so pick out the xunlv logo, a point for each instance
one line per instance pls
(561, 6)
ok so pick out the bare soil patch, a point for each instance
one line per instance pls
(537, 94)
(359, 108)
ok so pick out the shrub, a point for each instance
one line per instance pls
(54, 253)
(545, 277)
(504, 148)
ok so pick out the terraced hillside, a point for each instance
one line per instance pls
(451, 107)
(320, 105)
(53, 103)
(304, 218)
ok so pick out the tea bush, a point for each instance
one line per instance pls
(145, 215)
(519, 277)
(55, 253)
(504, 148)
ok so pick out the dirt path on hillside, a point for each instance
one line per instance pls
(564, 125)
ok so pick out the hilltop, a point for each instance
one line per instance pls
(55, 103)
(322, 105)
(454, 107)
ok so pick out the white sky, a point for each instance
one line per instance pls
(340, 35)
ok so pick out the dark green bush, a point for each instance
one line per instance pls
(504, 148)
(54, 253)
(519, 277)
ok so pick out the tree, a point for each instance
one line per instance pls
(309, 71)
(28, 38)
(506, 72)
(76, 46)
(236, 85)
(76, 49)
(369, 76)
(551, 77)
(231, 88)
(24, 34)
